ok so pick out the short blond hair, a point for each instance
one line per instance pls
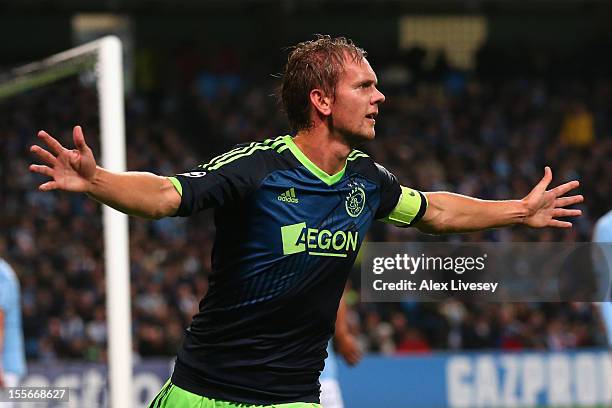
(313, 64)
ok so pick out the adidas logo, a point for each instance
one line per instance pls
(288, 196)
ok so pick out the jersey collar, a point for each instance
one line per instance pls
(313, 168)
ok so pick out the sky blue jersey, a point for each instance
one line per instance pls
(603, 233)
(13, 358)
(330, 372)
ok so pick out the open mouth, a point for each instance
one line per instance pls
(372, 116)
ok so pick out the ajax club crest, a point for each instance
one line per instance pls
(355, 201)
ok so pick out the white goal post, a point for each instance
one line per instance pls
(105, 56)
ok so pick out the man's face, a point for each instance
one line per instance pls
(355, 105)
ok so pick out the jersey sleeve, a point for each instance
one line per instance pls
(226, 178)
(603, 229)
(399, 205)
(4, 297)
(5, 286)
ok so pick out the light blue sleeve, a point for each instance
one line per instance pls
(330, 372)
(5, 286)
(603, 229)
(606, 314)
(603, 233)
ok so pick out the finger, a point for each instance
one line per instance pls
(48, 186)
(559, 224)
(44, 170)
(79, 139)
(545, 180)
(43, 155)
(564, 188)
(565, 201)
(55, 146)
(564, 212)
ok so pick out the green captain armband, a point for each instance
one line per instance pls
(176, 184)
(410, 208)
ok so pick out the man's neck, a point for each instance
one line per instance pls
(327, 151)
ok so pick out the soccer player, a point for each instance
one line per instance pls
(12, 357)
(291, 213)
(603, 234)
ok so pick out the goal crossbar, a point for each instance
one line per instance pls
(50, 69)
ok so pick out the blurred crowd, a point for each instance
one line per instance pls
(484, 135)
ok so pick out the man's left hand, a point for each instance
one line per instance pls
(349, 349)
(544, 206)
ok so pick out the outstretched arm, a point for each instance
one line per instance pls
(135, 193)
(448, 212)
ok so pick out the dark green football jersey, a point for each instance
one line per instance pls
(287, 237)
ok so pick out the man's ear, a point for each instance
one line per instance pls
(321, 101)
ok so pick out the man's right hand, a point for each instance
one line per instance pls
(135, 193)
(71, 170)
